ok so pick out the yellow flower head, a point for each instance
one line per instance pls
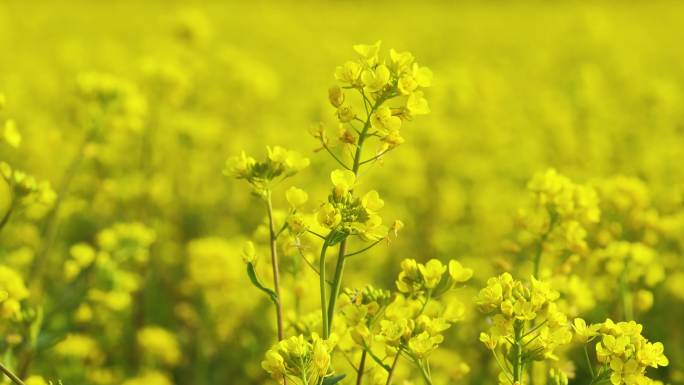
(459, 273)
(343, 181)
(368, 52)
(372, 202)
(329, 216)
(375, 80)
(584, 332)
(432, 272)
(296, 197)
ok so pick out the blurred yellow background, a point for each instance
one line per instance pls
(593, 89)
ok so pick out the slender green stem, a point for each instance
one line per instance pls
(377, 359)
(336, 283)
(310, 264)
(364, 249)
(626, 296)
(362, 366)
(10, 375)
(335, 156)
(315, 234)
(376, 157)
(589, 365)
(427, 300)
(390, 375)
(518, 327)
(503, 369)
(322, 283)
(540, 247)
(425, 373)
(8, 214)
(276, 269)
(50, 227)
(535, 328)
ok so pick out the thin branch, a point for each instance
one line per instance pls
(362, 365)
(335, 156)
(394, 366)
(364, 249)
(376, 157)
(377, 359)
(316, 234)
(535, 328)
(11, 375)
(310, 264)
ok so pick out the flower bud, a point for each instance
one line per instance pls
(297, 224)
(346, 136)
(328, 216)
(249, 252)
(345, 114)
(336, 96)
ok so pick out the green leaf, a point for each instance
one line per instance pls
(255, 281)
(332, 380)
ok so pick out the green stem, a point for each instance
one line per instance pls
(50, 227)
(322, 283)
(10, 210)
(336, 283)
(329, 313)
(390, 375)
(11, 375)
(362, 365)
(518, 327)
(589, 365)
(377, 359)
(341, 163)
(501, 367)
(540, 247)
(276, 269)
(626, 296)
(425, 373)
(364, 249)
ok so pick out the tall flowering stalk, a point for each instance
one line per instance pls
(263, 176)
(388, 94)
(389, 89)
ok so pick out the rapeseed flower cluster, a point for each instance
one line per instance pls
(300, 360)
(622, 353)
(278, 165)
(561, 211)
(380, 79)
(526, 324)
(12, 291)
(349, 215)
(410, 323)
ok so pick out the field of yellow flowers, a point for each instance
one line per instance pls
(341, 192)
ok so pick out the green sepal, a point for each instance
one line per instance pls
(336, 237)
(332, 380)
